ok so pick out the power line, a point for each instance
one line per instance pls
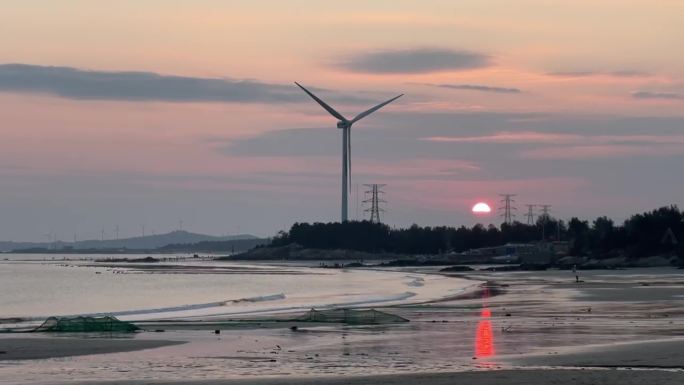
(375, 201)
(508, 208)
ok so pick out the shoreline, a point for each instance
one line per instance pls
(405, 288)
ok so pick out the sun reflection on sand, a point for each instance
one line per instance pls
(484, 337)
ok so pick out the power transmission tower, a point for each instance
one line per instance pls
(545, 218)
(545, 211)
(530, 214)
(507, 208)
(375, 201)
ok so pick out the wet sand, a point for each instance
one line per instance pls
(41, 348)
(666, 354)
(540, 329)
(588, 365)
(503, 377)
(648, 354)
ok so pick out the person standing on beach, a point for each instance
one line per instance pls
(574, 271)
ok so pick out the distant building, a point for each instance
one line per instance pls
(509, 249)
(539, 253)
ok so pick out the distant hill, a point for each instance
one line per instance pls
(148, 242)
(6, 246)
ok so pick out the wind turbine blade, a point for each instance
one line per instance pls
(370, 111)
(323, 104)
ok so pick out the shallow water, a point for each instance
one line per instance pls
(138, 291)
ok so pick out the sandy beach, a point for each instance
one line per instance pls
(517, 328)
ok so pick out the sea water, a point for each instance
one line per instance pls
(38, 286)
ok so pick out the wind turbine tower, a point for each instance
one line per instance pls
(345, 125)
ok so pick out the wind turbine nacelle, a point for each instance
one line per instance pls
(342, 124)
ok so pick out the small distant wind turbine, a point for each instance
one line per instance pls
(345, 125)
(52, 237)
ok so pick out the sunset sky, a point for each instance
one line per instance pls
(148, 112)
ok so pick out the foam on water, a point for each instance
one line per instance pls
(366, 301)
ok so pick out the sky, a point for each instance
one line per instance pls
(149, 112)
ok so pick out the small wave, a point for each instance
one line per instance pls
(208, 305)
(349, 304)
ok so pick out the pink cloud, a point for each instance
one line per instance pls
(646, 139)
(600, 151)
(109, 137)
(417, 167)
(509, 137)
(625, 74)
(577, 146)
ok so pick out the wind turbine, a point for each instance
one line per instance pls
(345, 125)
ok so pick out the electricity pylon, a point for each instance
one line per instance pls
(508, 208)
(530, 214)
(375, 201)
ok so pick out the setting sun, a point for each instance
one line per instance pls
(481, 208)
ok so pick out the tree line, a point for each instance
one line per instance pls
(651, 233)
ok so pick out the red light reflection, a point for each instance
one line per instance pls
(484, 337)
